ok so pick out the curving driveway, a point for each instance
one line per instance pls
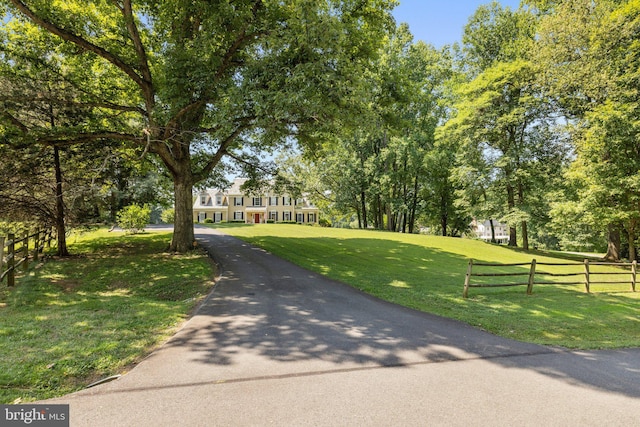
(275, 344)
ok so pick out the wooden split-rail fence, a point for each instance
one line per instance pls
(15, 252)
(586, 273)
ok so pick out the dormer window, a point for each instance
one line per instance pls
(203, 199)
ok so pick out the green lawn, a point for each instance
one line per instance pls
(427, 273)
(69, 322)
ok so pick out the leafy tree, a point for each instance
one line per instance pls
(194, 81)
(500, 117)
(594, 77)
(377, 170)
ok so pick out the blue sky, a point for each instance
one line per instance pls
(440, 22)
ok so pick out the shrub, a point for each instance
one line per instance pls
(167, 215)
(208, 221)
(134, 218)
(323, 222)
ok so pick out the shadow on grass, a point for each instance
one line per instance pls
(70, 321)
(271, 309)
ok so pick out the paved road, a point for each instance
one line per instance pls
(278, 345)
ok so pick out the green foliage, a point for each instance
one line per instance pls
(323, 222)
(510, 154)
(134, 218)
(167, 216)
(376, 169)
(585, 48)
(195, 81)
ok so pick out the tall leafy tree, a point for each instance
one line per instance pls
(500, 116)
(383, 157)
(589, 49)
(194, 81)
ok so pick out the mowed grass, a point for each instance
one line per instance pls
(69, 322)
(427, 273)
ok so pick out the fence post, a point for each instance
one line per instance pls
(586, 274)
(467, 279)
(532, 274)
(11, 277)
(25, 252)
(634, 268)
(36, 244)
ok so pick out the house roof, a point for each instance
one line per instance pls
(235, 187)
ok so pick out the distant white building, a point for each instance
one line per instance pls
(482, 229)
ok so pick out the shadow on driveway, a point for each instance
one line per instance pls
(273, 319)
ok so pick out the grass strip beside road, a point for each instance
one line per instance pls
(427, 273)
(71, 321)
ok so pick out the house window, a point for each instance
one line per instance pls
(286, 216)
(219, 200)
(203, 199)
(300, 217)
(238, 201)
(273, 215)
(238, 215)
(311, 217)
(202, 216)
(217, 217)
(257, 201)
(286, 201)
(273, 201)
(299, 202)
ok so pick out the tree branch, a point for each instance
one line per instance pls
(226, 63)
(88, 137)
(248, 163)
(83, 44)
(14, 121)
(222, 150)
(140, 52)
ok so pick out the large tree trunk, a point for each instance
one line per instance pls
(363, 202)
(444, 214)
(61, 231)
(183, 235)
(525, 232)
(414, 206)
(493, 232)
(613, 246)
(525, 236)
(511, 203)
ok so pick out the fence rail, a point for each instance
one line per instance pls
(14, 252)
(586, 273)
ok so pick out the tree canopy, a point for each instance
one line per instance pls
(193, 81)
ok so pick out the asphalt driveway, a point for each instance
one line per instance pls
(275, 344)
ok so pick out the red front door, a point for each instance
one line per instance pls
(256, 219)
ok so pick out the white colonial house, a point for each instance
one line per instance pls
(236, 205)
(482, 230)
